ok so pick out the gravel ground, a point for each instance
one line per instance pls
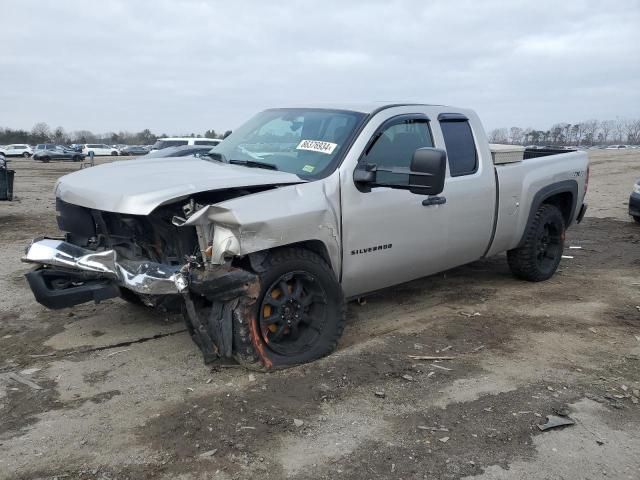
(124, 393)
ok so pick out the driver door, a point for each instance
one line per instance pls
(389, 236)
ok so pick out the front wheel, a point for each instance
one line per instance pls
(539, 256)
(299, 314)
(45, 159)
(114, 154)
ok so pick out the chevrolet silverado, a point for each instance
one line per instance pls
(261, 242)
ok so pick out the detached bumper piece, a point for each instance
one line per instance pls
(58, 289)
(216, 300)
(69, 275)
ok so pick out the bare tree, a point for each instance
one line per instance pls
(580, 131)
(606, 127)
(83, 136)
(567, 133)
(619, 129)
(589, 130)
(633, 131)
(498, 135)
(515, 135)
(557, 134)
(41, 132)
(59, 135)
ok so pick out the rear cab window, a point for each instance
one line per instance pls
(462, 154)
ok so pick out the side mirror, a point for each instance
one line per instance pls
(365, 174)
(427, 171)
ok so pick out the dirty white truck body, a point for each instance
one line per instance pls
(213, 222)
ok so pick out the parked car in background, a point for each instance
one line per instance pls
(17, 150)
(179, 141)
(59, 152)
(44, 146)
(634, 202)
(182, 151)
(134, 150)
(99, 149)
(616, 147)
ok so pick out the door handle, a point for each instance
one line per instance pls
(434, 201)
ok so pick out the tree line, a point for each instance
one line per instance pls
(42, 133)
(586, 133)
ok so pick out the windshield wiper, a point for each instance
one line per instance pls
(255, 164)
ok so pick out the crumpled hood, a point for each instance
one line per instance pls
(139, 186)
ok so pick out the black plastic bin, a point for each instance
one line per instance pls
(6, 184)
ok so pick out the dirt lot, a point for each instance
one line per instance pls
(124, 393)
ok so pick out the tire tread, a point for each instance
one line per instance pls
(244, 350)
(522, 260)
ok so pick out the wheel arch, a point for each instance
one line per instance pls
(316, 246)
(563, 195)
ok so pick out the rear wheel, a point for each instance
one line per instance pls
(77, 158)
(114, 154)
(540, 254)
(299, 315)
(45, 159)
(26, 154)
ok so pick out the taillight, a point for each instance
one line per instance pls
(586, 182)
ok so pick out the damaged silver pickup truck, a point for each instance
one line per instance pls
(260, 243)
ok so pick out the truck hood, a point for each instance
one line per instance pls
(137, 187)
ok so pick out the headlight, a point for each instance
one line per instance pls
(636, 188)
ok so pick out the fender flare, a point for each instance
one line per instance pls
(565, 186)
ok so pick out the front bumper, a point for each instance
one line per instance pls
(634, 205)
(70, 274)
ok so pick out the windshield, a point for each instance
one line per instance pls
(302, 141)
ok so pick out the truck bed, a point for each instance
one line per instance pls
(518, 183)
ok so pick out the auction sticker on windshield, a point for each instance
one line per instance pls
(317, 146)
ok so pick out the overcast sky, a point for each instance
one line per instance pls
(187, 66)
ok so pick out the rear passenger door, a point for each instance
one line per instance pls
(469, 190)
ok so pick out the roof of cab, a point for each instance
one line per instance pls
(368, 108)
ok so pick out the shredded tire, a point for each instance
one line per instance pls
(524, 261)
(250, 348)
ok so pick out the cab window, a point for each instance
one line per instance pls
(394, 146)
(461, 148)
